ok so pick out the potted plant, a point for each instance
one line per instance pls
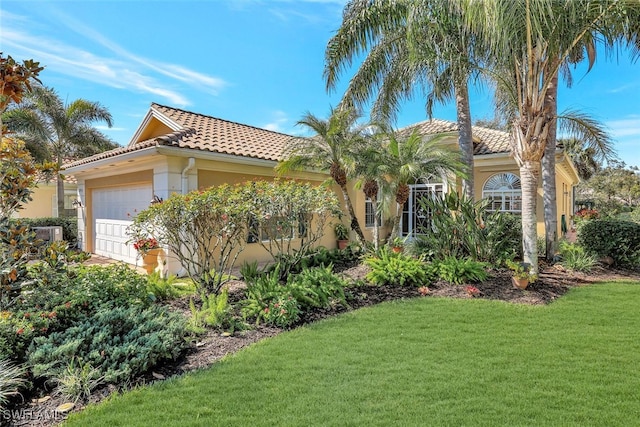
(342, 235)
(397, 244)
(522, 274)
(149, 249)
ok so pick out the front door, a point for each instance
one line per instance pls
(416, 220)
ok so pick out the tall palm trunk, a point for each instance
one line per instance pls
(465, 136)
(355, 225)
(60, 188)
(529, 175)
(549, 173)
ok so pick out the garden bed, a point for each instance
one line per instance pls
(553, 282)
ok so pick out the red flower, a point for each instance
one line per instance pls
(52, 315)
(67, 304)
(20, 331)
(27, 315)
(266, 309)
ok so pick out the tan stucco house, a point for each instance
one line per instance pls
(178, 151)
(44, 203)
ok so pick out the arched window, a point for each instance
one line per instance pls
(504, 193)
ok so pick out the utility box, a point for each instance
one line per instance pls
(48, 234)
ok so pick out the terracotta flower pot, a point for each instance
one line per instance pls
(150, 260)
(342, 244)
(397, 249)
(520, 283)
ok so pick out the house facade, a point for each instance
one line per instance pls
(176, 151)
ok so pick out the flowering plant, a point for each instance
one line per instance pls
(144, 245)
(588, 214)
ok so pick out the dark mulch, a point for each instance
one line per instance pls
(553, 282)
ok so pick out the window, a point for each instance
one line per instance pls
(370, 215)
(276, 228)
(504, 193)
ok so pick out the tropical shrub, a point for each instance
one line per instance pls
(119, 343)
(390, 268)
(261, 292)
(617, 239)
(317, 287)
(458, 271)
(575, 258)
(162, 288)
(463, 228)
(215, 312)
(283, 311)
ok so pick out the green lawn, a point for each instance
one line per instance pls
(421, 362)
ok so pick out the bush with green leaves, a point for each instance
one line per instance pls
(215, 312)
(458, 271)
(609, 237)
(262, 291)
(317, 287)
(398, 269)
(162, 288)
(575, 258)
(119, 343)
(464, 228)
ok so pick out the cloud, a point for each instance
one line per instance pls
(626, 127)
(116, 68)
(110, 129)
(280, 119)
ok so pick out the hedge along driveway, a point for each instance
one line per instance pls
(419, 362)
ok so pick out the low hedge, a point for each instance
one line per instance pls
(615, 238)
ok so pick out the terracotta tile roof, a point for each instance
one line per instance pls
(486, 141)
(206, 133)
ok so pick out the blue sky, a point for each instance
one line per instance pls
(249, 61)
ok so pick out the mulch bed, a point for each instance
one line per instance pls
(553, 282)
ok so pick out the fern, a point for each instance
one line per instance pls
(459, 271)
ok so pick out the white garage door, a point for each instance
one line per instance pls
(113, 209)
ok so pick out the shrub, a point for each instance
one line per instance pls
(617, 239)
(11, 380)
(317, 287)
(162, 288)
(575, 258)
(283, 311)
(459, 271)
(78, 380)
(119, 343)
(261, 292)
(398, 269)
(215, 312)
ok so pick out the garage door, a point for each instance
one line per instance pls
(113, 209)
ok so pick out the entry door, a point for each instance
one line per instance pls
(415, 219)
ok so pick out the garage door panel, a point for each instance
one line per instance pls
(113, 209)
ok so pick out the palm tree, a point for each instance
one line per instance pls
(59, 131)
(586, 159)
(410, 159)
(409, 45)
(330, 149)
(530, 41)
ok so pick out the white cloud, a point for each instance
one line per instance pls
(122, 70)
(110, 129)
(280, 119)
(625, 127)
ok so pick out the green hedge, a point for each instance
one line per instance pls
(609, 237)
(69, 226)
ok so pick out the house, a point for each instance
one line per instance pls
(178, 151)
(44, 203)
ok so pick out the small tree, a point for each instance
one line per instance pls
(205, 230)
(289, 217)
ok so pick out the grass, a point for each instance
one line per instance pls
(419, 362)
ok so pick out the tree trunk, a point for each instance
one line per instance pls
(529, 173)
(465, 137)
(355, 225)
(60, 189)
(549, 174)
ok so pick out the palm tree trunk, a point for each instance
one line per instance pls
(549, 174)
(355, 225)
(376, 230)
(529, 173)
(465, 136)
(60, 189)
